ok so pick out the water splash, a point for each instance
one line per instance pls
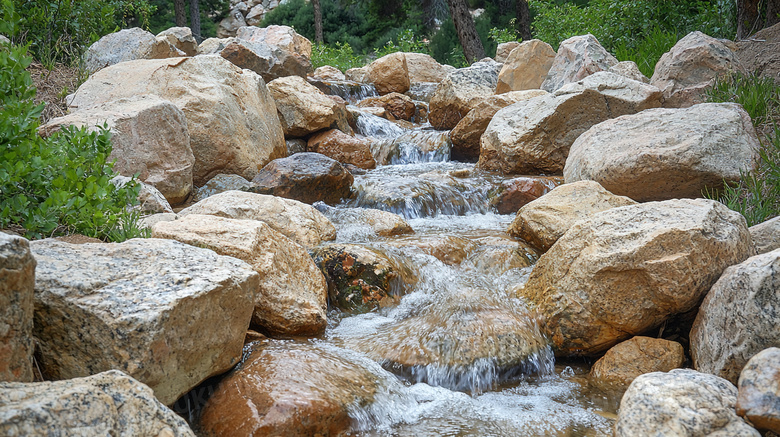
(351, 92)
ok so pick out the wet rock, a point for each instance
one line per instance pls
(398, 105)
(231, 117)
(359, 279)
(295, 220)
(766, 235)
(167, 314)
(578, 57)
(219, 184)
(292, 296)
(690, 67)
(291, 52)
(662, 154)
(382, 223)
(303, 109)
(424, 69)
(359, 75)
(462, 91)
(627, 360)
(326, 72)
(230, 24)
(150, 200)
(389, 74)
(758, 400)
(181, 38)
(497, 255)
(295, 145)
(108, 403)
(307, 177)
(535, 135)
(17, 282)
(287, 388)
(622, 271)
(630, 70)
(738, 318)
(423, 91)
(526, 67)
(467, 133)
(680, 402)
(449, 249)
(504, 49)
(543, 221)
(517, 192)
(344, 148)
(127, 45)
(149, 137)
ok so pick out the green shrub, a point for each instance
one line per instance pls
(759, 96)
(340, 56)
(648, 50)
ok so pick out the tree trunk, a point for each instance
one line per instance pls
(772, 13)
(181, 16)
(467, 32)
(317, 21)
(195, 20)
(524, 20)
(748, 16)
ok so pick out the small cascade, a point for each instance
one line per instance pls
(351, 92)
(373, 126)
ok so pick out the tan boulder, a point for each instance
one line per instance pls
(359, 75)
(390, 73)
(460, 92)
(662, 154)
(466, 134)
(231, 117)
(303, 109)
(535, 135)
(17, 282)
(181, 38)
(326, 72)
(108, 403)
(690, 67)
(149, 136)
(150, 199)
(630, 70)
(398, 105)
(578, 57)
(766, 235)
(526, 67)
(295, 220)
(625, 270)
(292, 296)
(290, 51)
(625, 361)
(127, 45)
(758, 399)
(504, 49)
(424, 69)
(543, 221)
(344, 148)
(167, 314)
(308, 177)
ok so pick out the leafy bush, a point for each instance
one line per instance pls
(759, 96)
(57, 185)
(340, 56)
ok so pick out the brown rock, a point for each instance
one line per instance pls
(390, 73)
(758, 400)
(291, 52)
(398, 105)
(17, 282)
(517, 192)
(230, 24)
(526, 67)
(343, 148)
(181, 38)
(578, 57)
(625, 361)
(424, 69)
(307, 177)
(504, 49)
(326, 72)
(757, 55)
(303, 109)
(359, 75)
(766, 235)
(449, 249)
(460, 92)
(625, 270)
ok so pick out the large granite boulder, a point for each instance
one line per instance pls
(535, 135)
(292, 296)
(526, 68)
(766, 235)
(283, 51)
(504, 49)
(543, 221)
(625, 361)
(578, 57)
(690, 67)
(738, 318)
(346, 149)
(758, 400)
(303, 109)
(399, 106)
(167, 314)
(108, 403)
(681, 402)
(622, 271)
(424, 69)
(462, 91)
(307, 177)
(181, 38)
(149, 136)
(390, 74)
(231, 117)
(630, 70)
(127, 45)
(293, 219)
(17, 282)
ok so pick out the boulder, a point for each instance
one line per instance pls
(229, 25)
(466, 134)
(627, 360)
(295, 220)
(630, 70)
(526, 67)
(578, 57)
(303, 109)
(738, 318)
(681, 402)
(460, 92)
(623, 271)
(690, 67)
(535, 135)
(517, 192)
(380, 223)
(307, 177)
(292, 297)
(127, 45)
(543, 221)
(231, 117)
(108, 403)
(398, 105)
(288, 388)
(756, 53)
(167, 314)
(766, 235)
(758, 399)
(326, 72)
(17, 282)
(662, 154)
(504, 50)
(390, 74)
(212, 46)
(181, 38)
(150, 199)
(344, 148)
(359, 75)
(219, 184)
(255, 15)
(149, 137)
(295, 145)
(424, 69)
(148, 222)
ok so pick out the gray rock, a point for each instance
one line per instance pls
(181, 38)
(230, 24)
(758, 400)
(168, 314)
(17, 281)
(461, 91)
(150, 200)
(219, 184)
(127, 45)
(766, 235)
(109, 403)
(578, 57)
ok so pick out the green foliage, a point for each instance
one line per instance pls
(211, 13)
(340, 56)
(759, 96)
(406, 41)
(56, 185)
(646, 51)
(506, 34)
